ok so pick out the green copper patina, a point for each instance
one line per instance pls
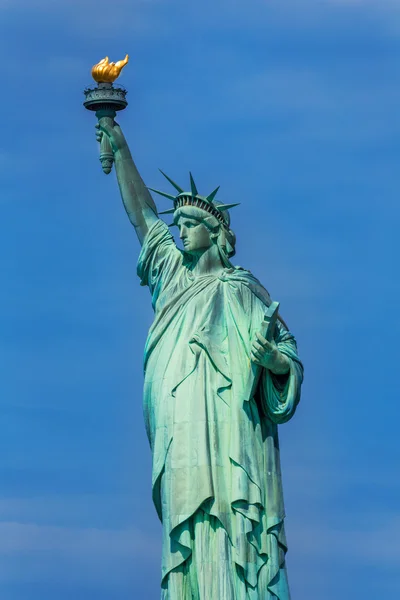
(221, 373)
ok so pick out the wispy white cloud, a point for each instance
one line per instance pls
(87, 554)
(150, 16)
(67, 510)
(95, 18)
(334, 555)
(102, 6)
(375, 544)
(323, 106)
(17, 537)
(290, 15)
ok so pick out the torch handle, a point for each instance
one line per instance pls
(106, 152)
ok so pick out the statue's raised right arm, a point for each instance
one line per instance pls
(138, 203)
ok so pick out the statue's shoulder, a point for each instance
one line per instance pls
(248, 281)
(159, 259)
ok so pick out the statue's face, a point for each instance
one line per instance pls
(194, 235)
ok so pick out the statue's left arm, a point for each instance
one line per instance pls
(267, 354)
(282, 374)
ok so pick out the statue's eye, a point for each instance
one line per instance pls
(190, 225)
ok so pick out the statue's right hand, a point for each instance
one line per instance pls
(114, 134)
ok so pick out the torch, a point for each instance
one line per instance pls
(106, 99)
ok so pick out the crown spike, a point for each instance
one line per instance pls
(176, 186)
(222, 207)
(211, 196)
(167, 212)
(162, 193)
(193, 185)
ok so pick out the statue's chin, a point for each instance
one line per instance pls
(194, 251)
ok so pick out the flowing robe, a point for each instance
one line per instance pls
(216, 469)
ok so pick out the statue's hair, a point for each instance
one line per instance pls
(193, 212)
(224, 236)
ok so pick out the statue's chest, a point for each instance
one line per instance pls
(205, 313)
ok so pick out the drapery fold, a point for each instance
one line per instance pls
(215, 451)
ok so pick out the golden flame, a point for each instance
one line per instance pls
(106, 72)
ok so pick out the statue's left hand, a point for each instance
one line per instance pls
(266, 354)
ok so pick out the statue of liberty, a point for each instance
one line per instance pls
(215, 391)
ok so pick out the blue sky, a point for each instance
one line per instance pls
(292, 107)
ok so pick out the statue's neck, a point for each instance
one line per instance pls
(206, 262)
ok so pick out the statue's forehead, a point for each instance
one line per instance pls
(192, 213)
(188, 217)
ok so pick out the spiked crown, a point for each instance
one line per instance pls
(193, 198)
